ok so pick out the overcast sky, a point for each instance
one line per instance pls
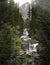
(22, 1)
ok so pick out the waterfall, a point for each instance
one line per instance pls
(29, 49)
(25, 37)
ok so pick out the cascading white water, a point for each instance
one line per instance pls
(25, 37)
(30, 48)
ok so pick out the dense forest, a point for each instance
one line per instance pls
(11, 28)
(39, 29)
(10, 31)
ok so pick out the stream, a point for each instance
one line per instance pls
(29, 48)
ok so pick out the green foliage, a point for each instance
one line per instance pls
(10, 30)
(9, 42)
(18, 61)
(9, 13)
(39, 29)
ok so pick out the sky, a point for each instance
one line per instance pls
(22, 1)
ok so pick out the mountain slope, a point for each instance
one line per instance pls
(24, 10)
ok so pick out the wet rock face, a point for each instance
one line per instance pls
(24, 46)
